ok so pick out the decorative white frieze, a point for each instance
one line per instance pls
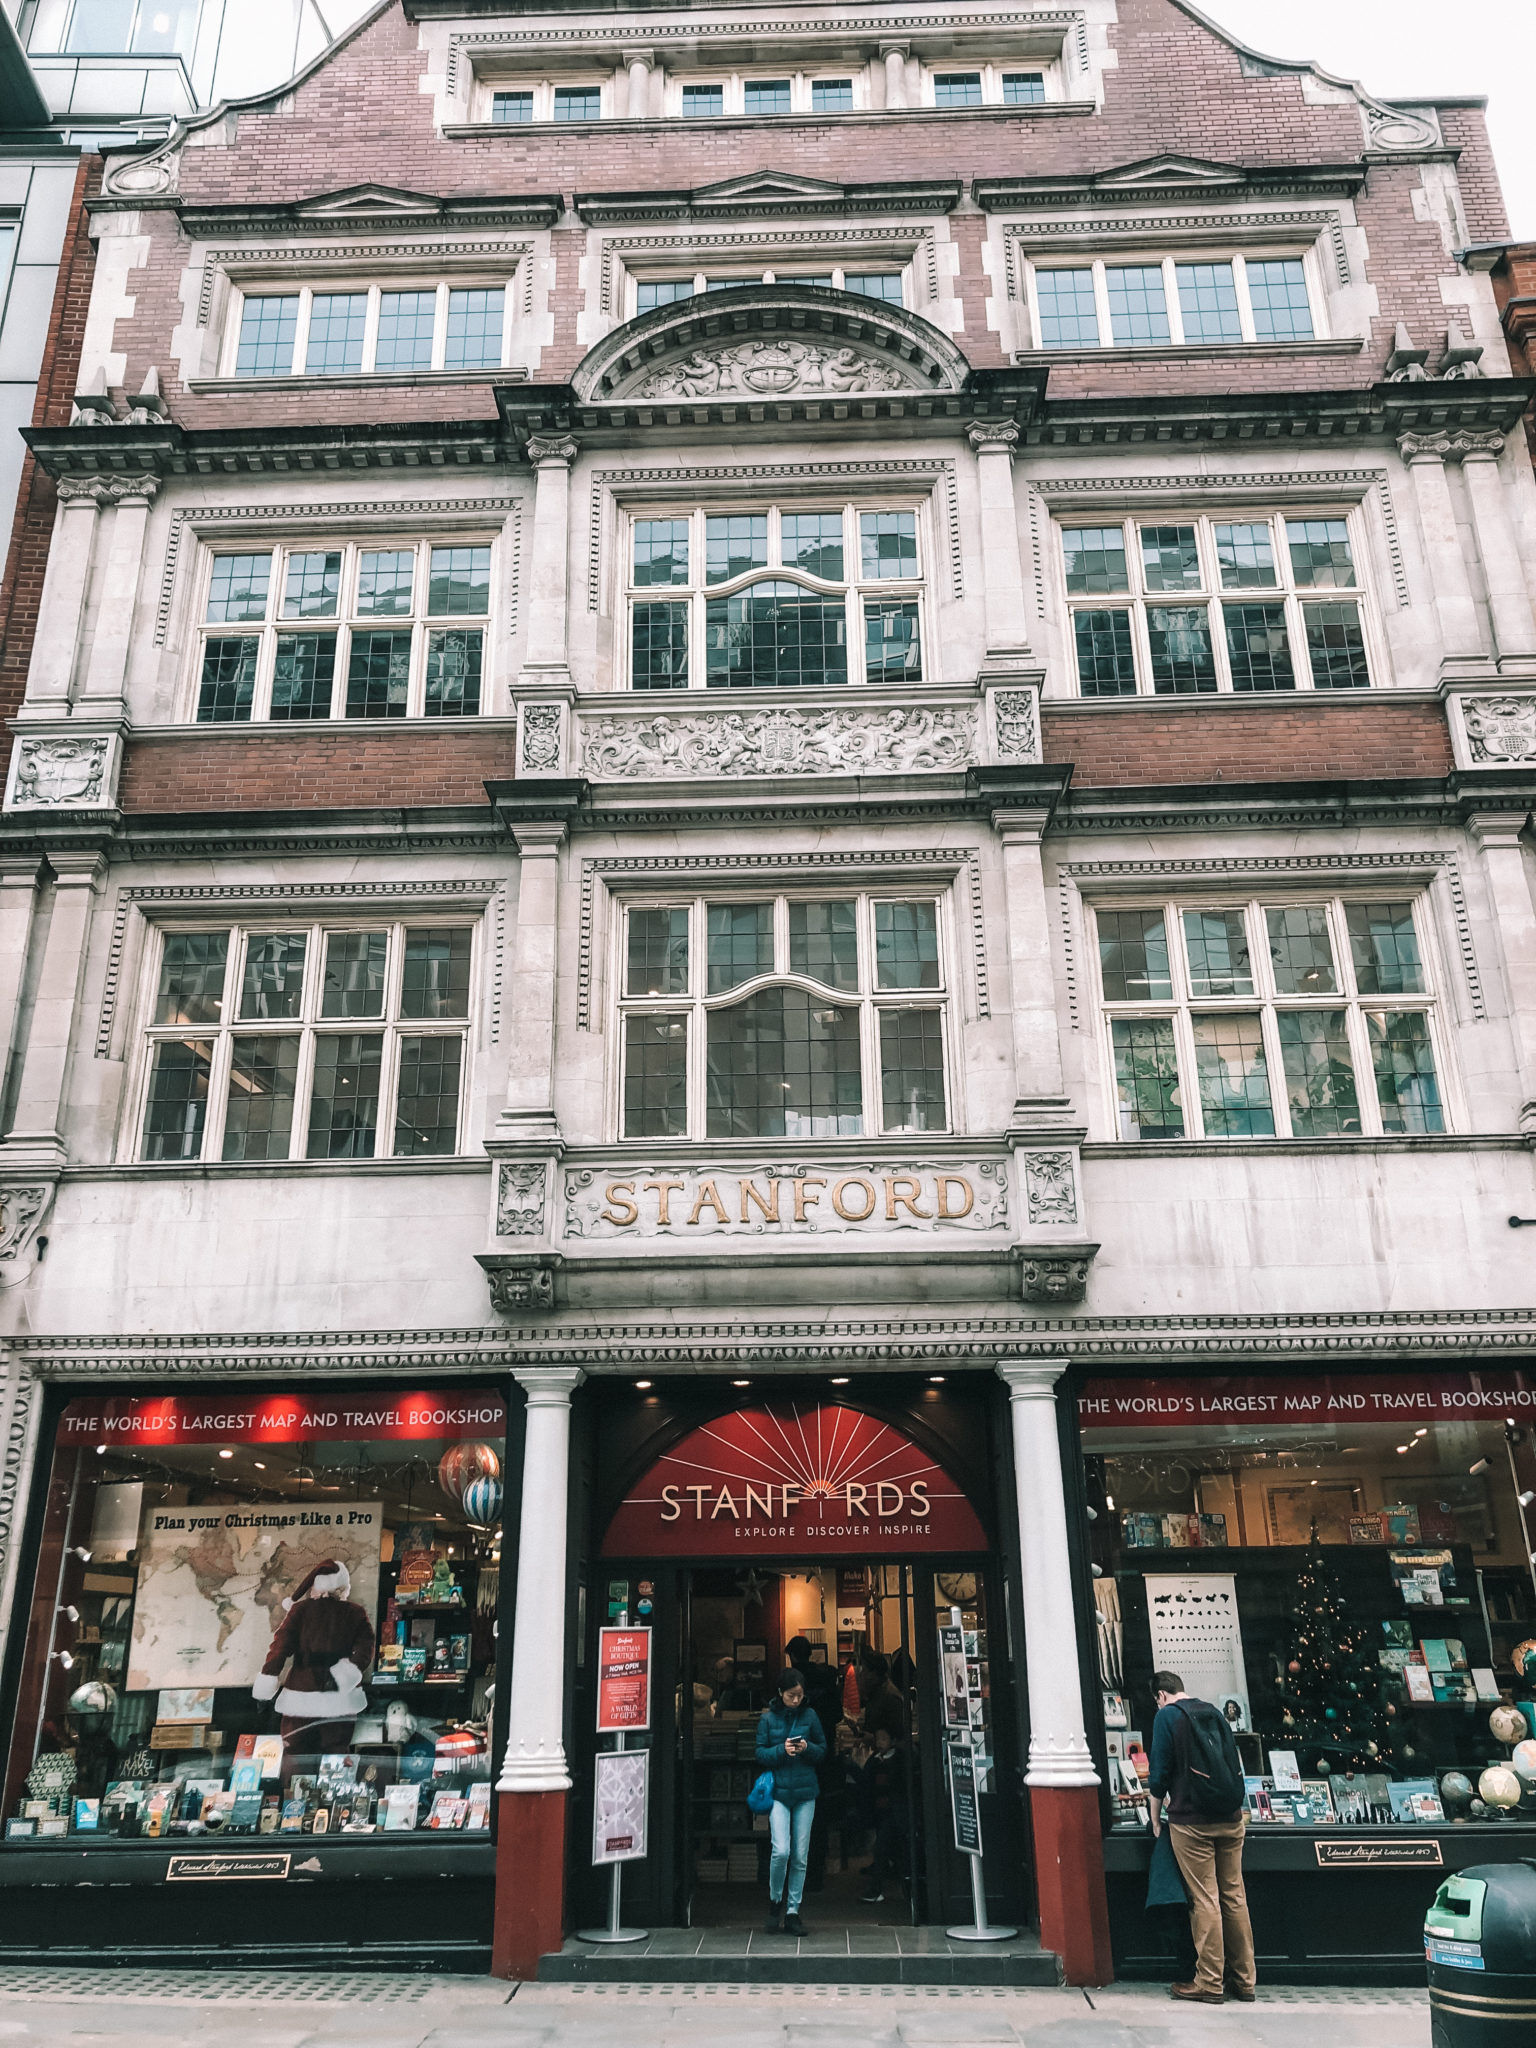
(773, 369)
(520, 1199)
(1492, 728)
(23, 1205)
(1015, 720)
(63, 772)
(868, 740)
(541, 726)
(689, 1203)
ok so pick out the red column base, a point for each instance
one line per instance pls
(1069, 1878)
(529, 1919)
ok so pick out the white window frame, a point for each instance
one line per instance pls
(734, 85)
(992, 75)
(374, 290)
(786, 272)
(869, 1000)
(1101, 265)
(307, 1027)
(1183, 1006)
(342, 623)
(1136, 598)
(696, 593)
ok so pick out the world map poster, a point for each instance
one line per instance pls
(212, 1581)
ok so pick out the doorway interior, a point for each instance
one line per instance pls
(881, 1839)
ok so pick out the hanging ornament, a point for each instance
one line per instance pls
(461, 1463)
(1294, 1666)
(1371, 1749)
(1323, 1767)
(481, 1501)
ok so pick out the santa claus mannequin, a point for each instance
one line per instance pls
(326, 1641)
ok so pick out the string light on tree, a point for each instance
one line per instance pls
(1330, 1695)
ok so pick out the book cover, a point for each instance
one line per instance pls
(413, 1662)
(1366, 1529)
(448, 1811)
(401, 1804)
(1421, 1686)
(1285, 1770)
(1213, 1532)
(1401, 1521)
(1437, 1654)
(478, 1805)
(87, 1816)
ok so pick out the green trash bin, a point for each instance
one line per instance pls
(1480, 1949)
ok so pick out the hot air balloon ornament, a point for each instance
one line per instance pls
(481, 1501)
(462, 1464)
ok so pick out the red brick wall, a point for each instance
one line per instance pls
(276, 770)
(32, 525)
(1299, 741)
(1482, 197)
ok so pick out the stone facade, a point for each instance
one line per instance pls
(889, 352)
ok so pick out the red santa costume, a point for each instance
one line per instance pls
(326, 1640)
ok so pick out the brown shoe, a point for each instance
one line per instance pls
(1236, 1991)
(1192, 1995)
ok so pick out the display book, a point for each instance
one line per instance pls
(152, 1766)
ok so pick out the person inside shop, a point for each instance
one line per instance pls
(731, 1695)
(824, 1695)
(882, 1808)
(1197, 1774)
(882, 1705)
(790, 1743)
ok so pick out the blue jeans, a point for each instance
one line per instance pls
(789, 1831)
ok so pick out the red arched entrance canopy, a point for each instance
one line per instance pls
(787, 1477)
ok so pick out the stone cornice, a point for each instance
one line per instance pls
(410, 449)
(1322, 1341)
(1168, 183)
(1378, 413)
(412, 214)
(763, 199)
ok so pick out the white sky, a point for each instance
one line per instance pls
(1402, 48)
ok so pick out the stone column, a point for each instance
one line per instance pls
(18, 900)
(638, 64)
(530, 1833)
(1040, 1100)
(61, 608)
(1497, 835)
(529, 1111)
(35, 1132)
(551, 456)
(1063, 1784)
(895, 55)
(1460, 634)
(1509, 599)
(1002, 571)
(102, 695)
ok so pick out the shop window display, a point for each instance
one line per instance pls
(1344, 1566)
(263, 1615)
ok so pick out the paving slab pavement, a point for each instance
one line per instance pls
(91, 2008)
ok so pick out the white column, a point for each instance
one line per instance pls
(18, 900)
(1509, 600)
(1002, 571)
(638, 65)
(61, 608)
(548, 570)
(535, 1759)
(1498, 838)
(102, 695)
(895, 55)
(530, 1104)
(1460, 635)
(1037, 1077)
(50, 1035)
(1058, 1744)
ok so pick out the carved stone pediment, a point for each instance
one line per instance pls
(765, 342)
(864, 739)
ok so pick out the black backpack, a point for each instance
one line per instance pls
(1213, 1766)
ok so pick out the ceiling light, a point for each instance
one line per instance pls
(1109, 1502)
(226, 1454)
(1403, 1447)
(1421, 1432)
(935, 1379)
(101, 1450)
(841, 1380)
(1527, 1497)
(258, 1464)
(741, 1383)
(642, 1385)
(1480, 1466)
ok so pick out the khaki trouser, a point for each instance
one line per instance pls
(1210, 1855)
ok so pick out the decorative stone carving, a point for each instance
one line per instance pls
(689, 1202)
(60, 773)
(901, 740)
(988, 436)
(1500, 729)
(560, 449)
(1016, 725)
(1448, 447)
(1406, 363)
(519, 1288)
(772, 369)
(81, 490)
(520, 1198)
(1462, 359)
(541, 739)
(22, 1209)
(1050, 1187)
(1393, 128)
(144, 175)
(1056, 1279)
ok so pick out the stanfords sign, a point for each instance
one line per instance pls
(236, 1418)
(790, 1478)
(690, 1202)
(1331, 1397)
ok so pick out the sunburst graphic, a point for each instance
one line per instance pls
(785, 1473)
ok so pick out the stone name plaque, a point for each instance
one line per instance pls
(689, 1203)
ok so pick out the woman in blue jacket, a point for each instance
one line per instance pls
(790, 1743)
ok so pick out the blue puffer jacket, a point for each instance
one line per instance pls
(794, 1777)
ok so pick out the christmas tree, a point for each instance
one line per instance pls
(1330, 1692)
